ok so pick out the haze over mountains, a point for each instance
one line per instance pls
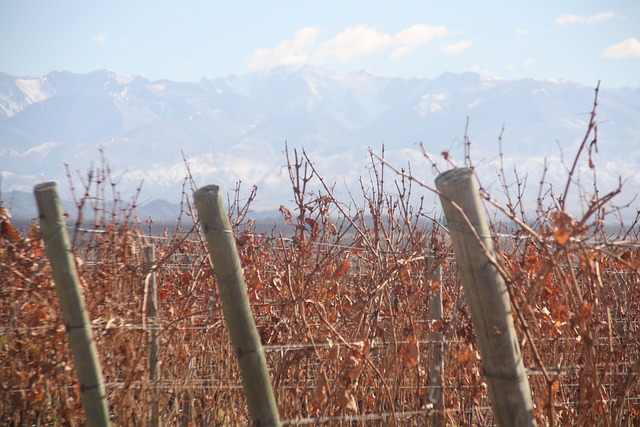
(234, 128)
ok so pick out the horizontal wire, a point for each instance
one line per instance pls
(104, 325)
(269, 347)
(207, 383)
(589, 243)
(354, 418)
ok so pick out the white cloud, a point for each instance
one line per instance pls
(456, 47)
(625, 49)
(100, 38)
(353, 42)
(569, 19)
(521, 31)
(346, 45)
(400, 51)
(418, 34)
(361, 40)
(528, 62)
(287, 52)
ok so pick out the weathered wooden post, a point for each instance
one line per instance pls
(235, 306)
(152, 319)
(488, 299)
(436, 353)
(74, 314)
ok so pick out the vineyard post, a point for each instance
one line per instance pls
(187, 402)
(235, 306)
(152, 317)
(488, 298)
(436, 361)
(74, 314)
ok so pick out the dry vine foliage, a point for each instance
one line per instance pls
(343, 295)
(575, 289)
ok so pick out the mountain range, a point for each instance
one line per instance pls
(235, 128)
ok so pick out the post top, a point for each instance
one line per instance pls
(211, 190)
(454, 176)
(44, 186)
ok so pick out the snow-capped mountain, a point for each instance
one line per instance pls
(234, 128)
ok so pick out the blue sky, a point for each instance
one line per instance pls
(578, 40)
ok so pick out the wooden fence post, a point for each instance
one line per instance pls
(436, 359)
(488, 299)
(235, 305)
(74, 314)
(152, 319)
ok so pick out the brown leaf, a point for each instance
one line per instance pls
(561, 235)
(8, 231)
(185, 279)
(4, 213)
(328, 270)
(333, 352)
(312, 223)
(242, 240)
(319, 395)
(467, 354)
(405, 276)
(333, 289)
(563, 226)
(585, 310)
(286, 214)
(332, 228)
(347, 402)
(343, 269)
(412, 352)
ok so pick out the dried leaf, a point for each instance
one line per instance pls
(328, 270)
(585, 310)
(333, 289)
(4, 213)
(253, 295)
(286, 214)
(561, 235)
(332, 228)
(467, 354)
(347, 402)
(313, 224)
(164, 294)
(333, 352)
(242, 240)
(9, 232)
(185, 279)
(319, 395)
(405, 276)
(563, 226)
(343, 269)
(412, 352)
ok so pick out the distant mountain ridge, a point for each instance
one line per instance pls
(234, 128)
